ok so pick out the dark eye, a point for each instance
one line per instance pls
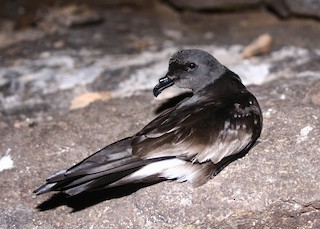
(191, 65)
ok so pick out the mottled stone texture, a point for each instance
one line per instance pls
(284, 8)
(215, 4)
(23, 13)
(302, 8)
(309, 8)
(276, 185)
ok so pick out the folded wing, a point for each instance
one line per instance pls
(184, 143)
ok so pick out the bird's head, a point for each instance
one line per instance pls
(190, 68)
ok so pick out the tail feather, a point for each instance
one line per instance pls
(102, 182)
(105, 168)
(87, 182)
(108, 176)
(101, 169)
(44, 188)
(110, 167)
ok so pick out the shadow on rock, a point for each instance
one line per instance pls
(88, 199)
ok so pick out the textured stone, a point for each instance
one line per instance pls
(275, 185)
(214, 5)
(284, 8)
(303, 8)
(279, 7)
(309, 8)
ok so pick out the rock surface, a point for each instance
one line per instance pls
(284, 8)
(276, 185)
(215, 5)
(310, 8)
(302, 8)
(29, 12)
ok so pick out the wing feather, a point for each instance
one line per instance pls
(217, 130)
(183, 143)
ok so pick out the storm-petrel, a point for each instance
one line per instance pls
(185, 142)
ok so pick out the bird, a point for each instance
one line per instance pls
(185, 142)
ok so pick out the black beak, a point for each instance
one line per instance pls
(164, 83)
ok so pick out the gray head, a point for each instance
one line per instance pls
(190, 68)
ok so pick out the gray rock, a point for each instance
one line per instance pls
(18, 216)
(284, 8)
(214, 5)
(276, 185)
(279, 7)
(304, 8)
(310, 8)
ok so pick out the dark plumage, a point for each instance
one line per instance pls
(185, 142)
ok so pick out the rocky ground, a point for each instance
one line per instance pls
(67, 90)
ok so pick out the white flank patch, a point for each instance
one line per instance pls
(157, 168)
(304, 133)
(6, 161)
(170, 169)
